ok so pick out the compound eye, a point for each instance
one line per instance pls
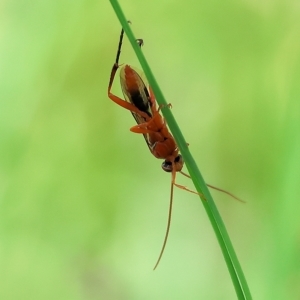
(167, 166)
(178, 163)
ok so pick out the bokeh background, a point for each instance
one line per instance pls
(83, 204)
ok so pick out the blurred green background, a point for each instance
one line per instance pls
(83, 204)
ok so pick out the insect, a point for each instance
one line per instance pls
(140, 101)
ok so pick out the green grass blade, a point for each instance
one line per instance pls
(230, 257)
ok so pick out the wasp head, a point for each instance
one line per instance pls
(178, 162)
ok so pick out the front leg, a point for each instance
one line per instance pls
(142, 128)
(127, 105)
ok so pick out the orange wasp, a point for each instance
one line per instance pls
(140, 100)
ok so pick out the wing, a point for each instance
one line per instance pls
(135, 91)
